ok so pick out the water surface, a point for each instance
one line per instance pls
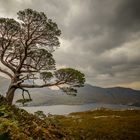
(66, 109)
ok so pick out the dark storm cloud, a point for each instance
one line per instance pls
(99, 37)
(110, 23)
(127, 15)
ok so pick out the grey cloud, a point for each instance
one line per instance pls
(99, 37)
(54, 9)
(112, 22)
(127, 16)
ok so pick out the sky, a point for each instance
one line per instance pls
(101, 38)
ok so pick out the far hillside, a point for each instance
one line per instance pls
(86, 94)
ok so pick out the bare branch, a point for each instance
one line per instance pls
(41, 86)
(23, 91)
(4, 62)
(6, 72)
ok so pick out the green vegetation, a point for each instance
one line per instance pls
(23, 101)
(17, 124)
(102, 124)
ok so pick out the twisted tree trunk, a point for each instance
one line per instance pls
(12, 88)
(10, 94)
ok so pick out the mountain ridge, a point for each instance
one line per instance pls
(86, 94)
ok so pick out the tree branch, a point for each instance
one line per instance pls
(41, 86)
(6, 72)
(5, 63)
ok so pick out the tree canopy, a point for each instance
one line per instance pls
(26, 54)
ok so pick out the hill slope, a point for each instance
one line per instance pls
(86, 94)
(17, 124)
(102, 125)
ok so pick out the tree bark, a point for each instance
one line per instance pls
(10, 94)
